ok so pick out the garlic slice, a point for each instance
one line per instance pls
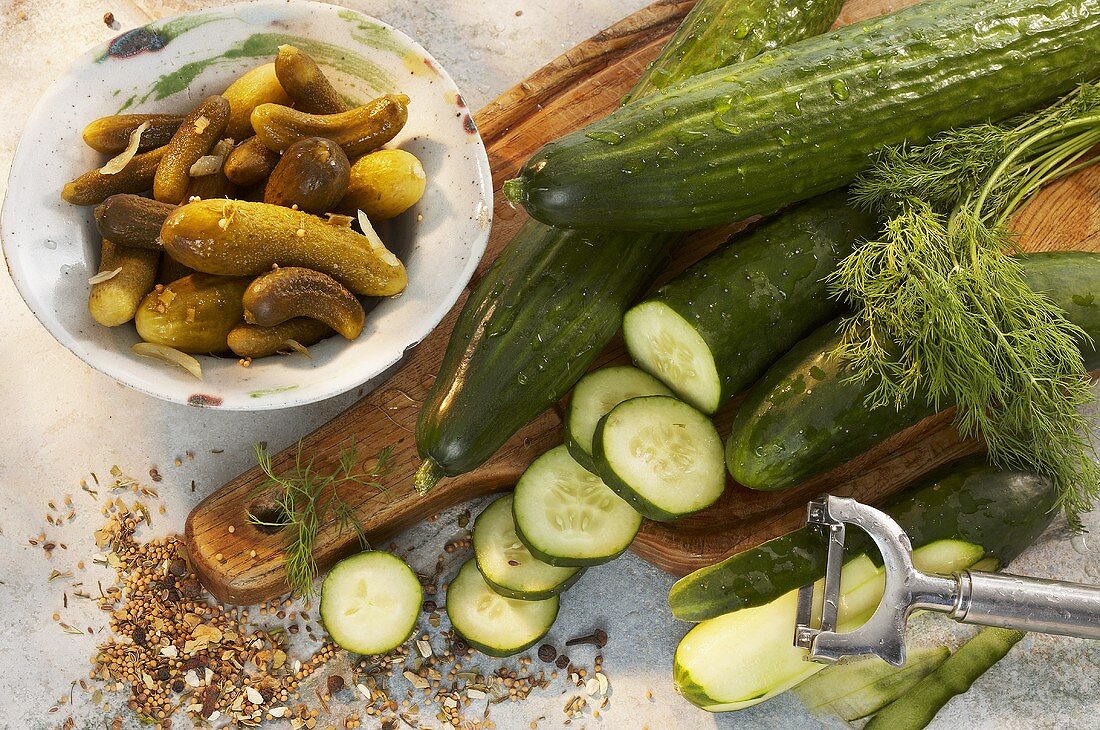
(117, 163)
(104, 276)
(169, 355)
(376, 244)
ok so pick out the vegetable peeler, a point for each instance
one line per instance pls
(971, 597)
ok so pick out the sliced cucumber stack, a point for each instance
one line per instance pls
(505, 562)
(370, 601)
(595, 395)
(567, 516)
(492, 623)
(661, 455)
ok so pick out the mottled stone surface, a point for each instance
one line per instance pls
(61, 420)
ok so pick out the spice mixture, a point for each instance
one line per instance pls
(175, 654)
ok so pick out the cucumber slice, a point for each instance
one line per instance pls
(566, 516)
(595, 395)
(661, 455)
(666, 345)
(370, 601)
(491, 623)
(507, 565)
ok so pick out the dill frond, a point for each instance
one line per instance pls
(942, 309)
(305, 501)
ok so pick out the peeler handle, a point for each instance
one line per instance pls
(1028, 604)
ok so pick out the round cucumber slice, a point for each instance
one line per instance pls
(370, 601)
(567, 516)
(597, 393)
(661, 455)
(666, 345)
(491, 623)
(505, 562)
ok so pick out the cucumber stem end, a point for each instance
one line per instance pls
(427, 476)
(515, 190)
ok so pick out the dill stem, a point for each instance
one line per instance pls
(1023, 147)
(1061, 161)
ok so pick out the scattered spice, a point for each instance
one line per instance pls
(547, 653)
(174, 651)
(597, 638)
(109, 19)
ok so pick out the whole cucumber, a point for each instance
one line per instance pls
(802, 120)
(805, 416)
(489, 385)
(1003, 511)
(712, 331)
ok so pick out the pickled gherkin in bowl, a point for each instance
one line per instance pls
(163, 186)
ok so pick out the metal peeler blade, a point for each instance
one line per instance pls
(989, 599)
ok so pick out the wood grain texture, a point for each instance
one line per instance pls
(583, 84)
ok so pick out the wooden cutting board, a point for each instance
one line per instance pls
(580, 86)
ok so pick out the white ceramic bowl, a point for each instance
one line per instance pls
(51, 247)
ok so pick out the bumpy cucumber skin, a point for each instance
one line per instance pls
(750, 578)
(754, 299)
(800, 121)
(464, 420)
(804, 417)
(718, 33)
(1003, 511)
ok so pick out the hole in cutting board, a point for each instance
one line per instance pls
(267, 517)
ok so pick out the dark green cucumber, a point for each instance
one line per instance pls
(1001, 510)
(712, 331)
(802, 120)
(555, 298)
(805, 417)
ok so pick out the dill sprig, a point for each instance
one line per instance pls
(942, 309)
(306, 500)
